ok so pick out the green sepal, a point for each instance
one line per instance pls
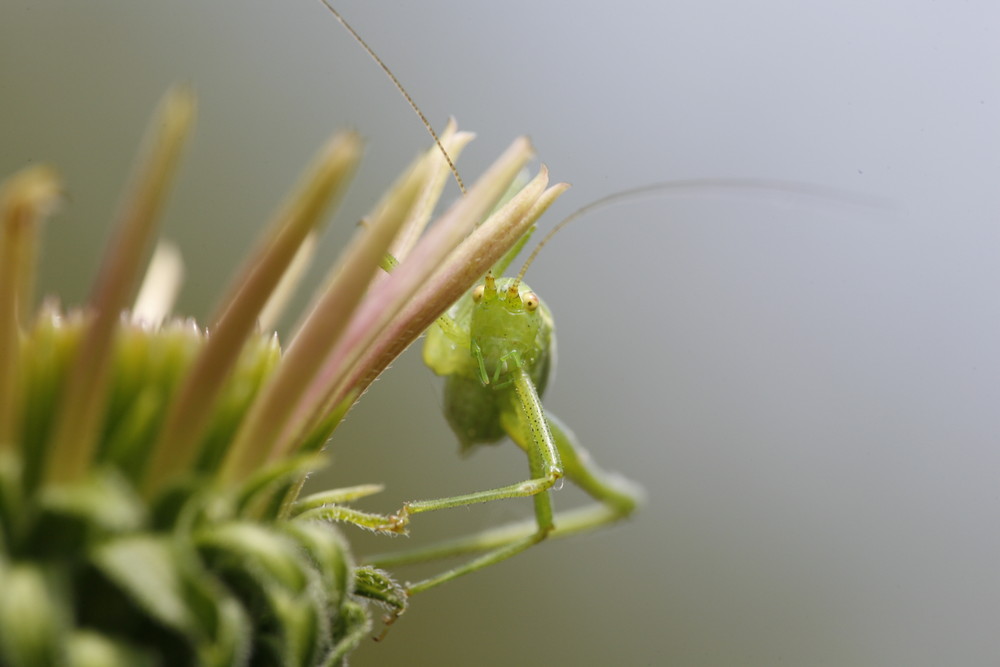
(92, 649)
(233, 638)
(328, 554)
(160, 581)
(354, 624)
(265, 488)
(147, 367)
(291, 581)
(13, 519)
(258, 360)
(331, 562)
(244, 552)
(48, 350)
(146, 568)
(83, 513)
(34, 625)
(324, 428)
(294, 637)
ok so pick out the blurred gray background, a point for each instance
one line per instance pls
(806, 388)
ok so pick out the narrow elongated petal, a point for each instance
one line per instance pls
(75, 434)
(24, 200)
(466, 264)
(301, 215)
(453, 142)
(257, 438)
(381, 306)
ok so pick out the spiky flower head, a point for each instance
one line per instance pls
(150, 467)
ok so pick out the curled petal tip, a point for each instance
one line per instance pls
(33, 192)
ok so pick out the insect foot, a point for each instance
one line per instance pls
(398, 523)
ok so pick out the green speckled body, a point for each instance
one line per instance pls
(506, 335)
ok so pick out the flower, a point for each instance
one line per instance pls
(149, 468)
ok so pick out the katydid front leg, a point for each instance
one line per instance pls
(617, 499)
(546, 469)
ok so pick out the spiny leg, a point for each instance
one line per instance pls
(330, 506)
(541, 526)
(619, 494)
(545, 467)
(495, 556)
(618, 498)
(567, 523)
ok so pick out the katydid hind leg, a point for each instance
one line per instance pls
(617, 496)
(611, 489)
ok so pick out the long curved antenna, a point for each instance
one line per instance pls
(695, 185)
(399, 87)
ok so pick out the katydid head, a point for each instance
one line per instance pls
(514, 298)
(510, 327)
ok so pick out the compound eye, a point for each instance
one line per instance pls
(530, 301)
(477, 293)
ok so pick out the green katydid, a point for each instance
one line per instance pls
(495, 348)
